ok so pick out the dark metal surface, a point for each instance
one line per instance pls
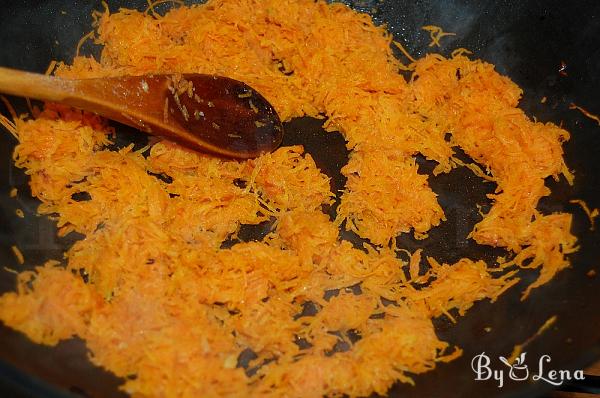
(527, 40)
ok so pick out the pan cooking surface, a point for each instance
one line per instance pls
(526, 40)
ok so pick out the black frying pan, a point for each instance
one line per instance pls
(526, 40)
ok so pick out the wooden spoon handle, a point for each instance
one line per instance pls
(107, 97)
(35, 85)
(203, 112)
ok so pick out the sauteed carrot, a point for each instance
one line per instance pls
(160, 302)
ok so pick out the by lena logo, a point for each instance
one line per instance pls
(519, 371)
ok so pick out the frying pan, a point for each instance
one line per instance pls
(526, 40)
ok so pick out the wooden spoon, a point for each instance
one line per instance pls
(202, 112)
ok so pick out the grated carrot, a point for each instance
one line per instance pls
(162, 288)
(12, 271)
(460, 51)
(518, 348)
(18, 254)
(591, 214)
(436, 33)
(585, 113)
(85, 37)
(10, 108)
(51, 67)
(591, 273)
(404, 51)
(152, 4)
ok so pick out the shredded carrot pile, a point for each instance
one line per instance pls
(162, 302)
